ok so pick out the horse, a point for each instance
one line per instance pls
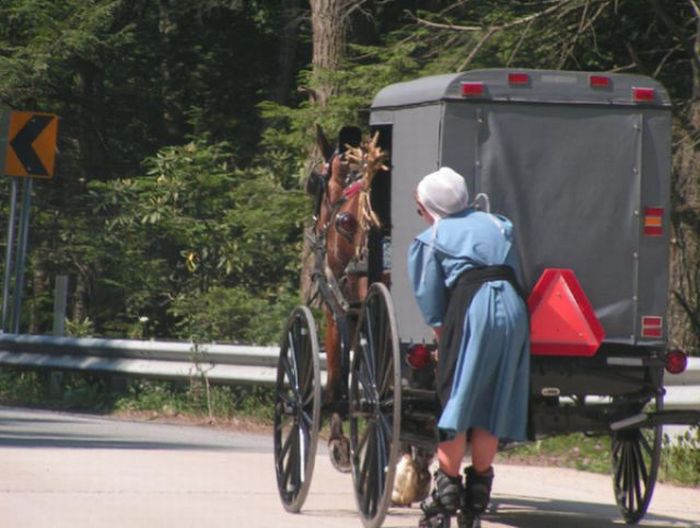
(343, 219)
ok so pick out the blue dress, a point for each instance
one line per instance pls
(490, 388)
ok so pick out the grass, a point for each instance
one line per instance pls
(575, 451)
(680, 461)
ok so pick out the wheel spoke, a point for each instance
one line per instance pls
(641, 463)
(303, 437)
(382, 349)
(287, 444)
(623, 472)
(289, 466)
(288, 371)
(365, 378)
(284, 398)
(363, 440)
(644, 444)
(381, 460)
(383, 423)
(294, 357)
(617, 445)
(630, 478)
(371, 347)
(619, 470)
(367, 464)
(307, 421)
(388, 374)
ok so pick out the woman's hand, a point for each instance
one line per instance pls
(437, 332)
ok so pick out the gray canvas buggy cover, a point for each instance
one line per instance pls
(580, 162)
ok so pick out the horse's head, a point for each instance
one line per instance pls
(329, 178)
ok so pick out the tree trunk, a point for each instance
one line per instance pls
(329, 26)
(684, 307)
(289, 40)
(93, 151)
(39, 288)
(79, 299)
(171, 112)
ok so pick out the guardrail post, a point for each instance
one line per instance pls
(59, 305)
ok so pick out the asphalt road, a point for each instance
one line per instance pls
(63, 470)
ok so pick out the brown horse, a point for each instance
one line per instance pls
(343, 219)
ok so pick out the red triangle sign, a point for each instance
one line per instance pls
(562, 321)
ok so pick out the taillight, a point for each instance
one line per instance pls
(653, 221)
(643, 95)
(518, 79)
(599, 81)
(472, 89)
(676, 361)
(346, 224)
(652, 326)
(418, 356)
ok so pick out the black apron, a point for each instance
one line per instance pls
(461, 295)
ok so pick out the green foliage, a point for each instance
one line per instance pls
(575, 451)
(233, 314)
(174, 399)
(20, 386)
(680, 461)
(175, 209)
(79, 391)
(290, 130)
(212, 248)
(84, 328)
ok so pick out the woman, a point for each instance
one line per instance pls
(463, 271)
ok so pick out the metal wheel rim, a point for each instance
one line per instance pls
(635, 461)
(297, 408)
(375, 406)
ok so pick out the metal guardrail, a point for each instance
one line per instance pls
(232, 364)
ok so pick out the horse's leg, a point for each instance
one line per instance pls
(332, 346)
(338, 443)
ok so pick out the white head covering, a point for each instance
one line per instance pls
(443, 193)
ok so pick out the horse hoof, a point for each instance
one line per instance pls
(339, 451)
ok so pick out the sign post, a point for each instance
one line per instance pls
(27, 150)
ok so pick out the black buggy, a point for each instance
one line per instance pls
(581, 163)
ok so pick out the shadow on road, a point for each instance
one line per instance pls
(27, 429)
(528, 512)
(532, 512)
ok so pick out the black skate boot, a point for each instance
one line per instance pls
(475, 499)
(443, 502)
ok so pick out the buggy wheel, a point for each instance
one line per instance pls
(375, 406)
(297, 408)
(635, 461)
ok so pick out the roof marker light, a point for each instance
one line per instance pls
(599, 81)
(643, 95)
(472, 89)
(518, 79)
